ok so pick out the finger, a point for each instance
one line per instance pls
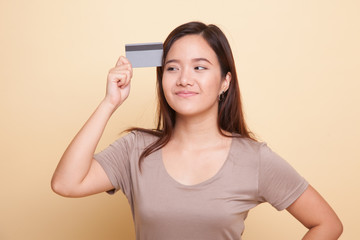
(129, 68)
(123, 78)
(117, 71)
(127, 63)
(116, 77)
(122, 67)
(122, 61)
(119, 61)
(120, 79)
(128, 78)
(131, 71)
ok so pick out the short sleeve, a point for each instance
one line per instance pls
(279, 183)
(115, 160)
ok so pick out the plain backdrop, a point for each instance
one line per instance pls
(298, 66)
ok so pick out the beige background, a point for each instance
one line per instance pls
(298, 64)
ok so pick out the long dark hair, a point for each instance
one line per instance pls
(230, 113)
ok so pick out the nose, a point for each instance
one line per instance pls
(185, 77)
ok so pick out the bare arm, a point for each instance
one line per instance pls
(77, 173)
(316, 214)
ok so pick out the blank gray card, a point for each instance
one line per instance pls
(144, 54)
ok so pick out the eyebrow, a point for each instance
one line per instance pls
(171, 61)
(193, 60)
(201, 59)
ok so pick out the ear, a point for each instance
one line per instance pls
(226, 82)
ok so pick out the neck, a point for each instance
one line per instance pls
(193, 132)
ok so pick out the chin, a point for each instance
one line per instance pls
(192, 109)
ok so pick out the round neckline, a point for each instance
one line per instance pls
(206, 181)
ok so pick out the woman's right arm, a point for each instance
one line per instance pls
(78, 174)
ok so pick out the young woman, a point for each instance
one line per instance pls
(200, 171)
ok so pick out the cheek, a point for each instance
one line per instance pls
(168, 82)
(212, 87)
(166, 86)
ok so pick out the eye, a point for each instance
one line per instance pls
(200, 68)
(170, 69)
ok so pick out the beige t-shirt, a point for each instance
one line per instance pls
(164, 209)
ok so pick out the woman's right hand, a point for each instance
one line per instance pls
(77, 173)
(118, 82)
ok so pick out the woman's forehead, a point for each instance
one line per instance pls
(191, 47)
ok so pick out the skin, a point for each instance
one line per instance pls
(78, 174)
(192, 79)
(192, 82)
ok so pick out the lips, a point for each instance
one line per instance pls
(185, 93)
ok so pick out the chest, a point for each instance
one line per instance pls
(217, 205)
(194, 167)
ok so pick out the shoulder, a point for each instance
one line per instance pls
(133, 142)
(253, 152)
(245, 152)
(138, 138)
(261, 155)
(247, 145)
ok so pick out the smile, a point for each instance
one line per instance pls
(185, 93)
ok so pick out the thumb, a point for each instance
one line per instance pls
(121, 61)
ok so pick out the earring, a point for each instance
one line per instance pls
(221, 96)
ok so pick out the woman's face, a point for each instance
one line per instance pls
(192, 78)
